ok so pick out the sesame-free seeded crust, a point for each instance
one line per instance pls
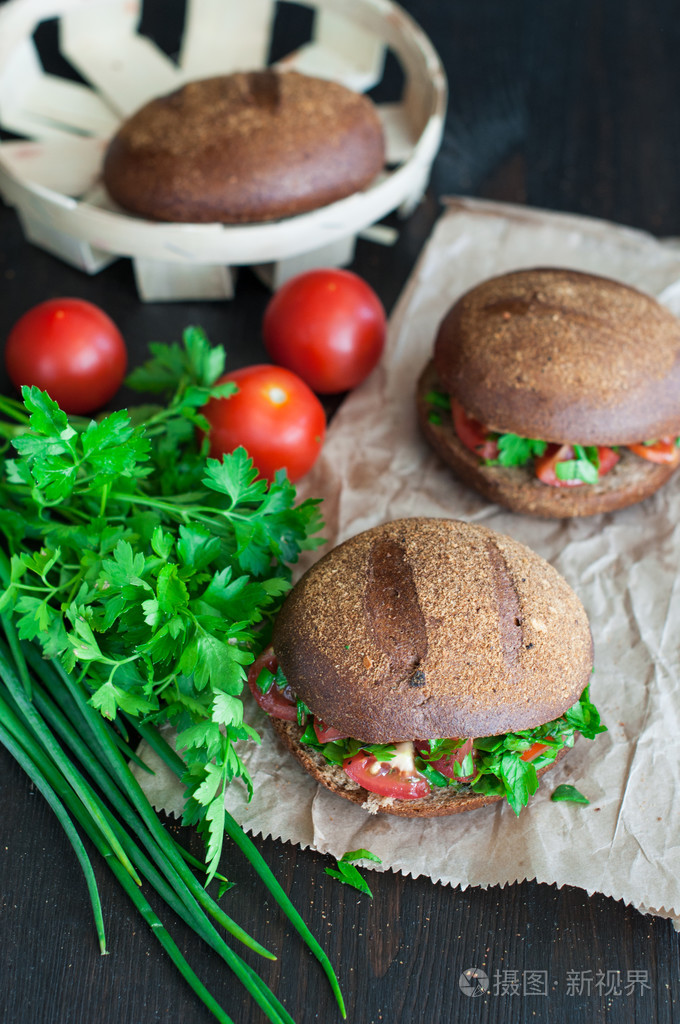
(427, 628)
(563, 356)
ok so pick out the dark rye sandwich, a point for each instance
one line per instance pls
(429, 666)
(555, 393)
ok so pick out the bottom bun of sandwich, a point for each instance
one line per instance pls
(429, 666)
(517, 487)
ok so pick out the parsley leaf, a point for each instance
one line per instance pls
(348, 874)
(439, 399)
(584, 466)
(567, 792)
(514, 450)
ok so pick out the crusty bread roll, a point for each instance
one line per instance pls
(564, 357)
(429, 628)
(245, 147)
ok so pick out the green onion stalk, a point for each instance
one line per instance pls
(80, 764)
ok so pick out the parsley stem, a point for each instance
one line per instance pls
(202, 513)
(15, 409)
(102, 503)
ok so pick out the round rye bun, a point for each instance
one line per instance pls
(563, 356)
(430, 628)
(243, 148)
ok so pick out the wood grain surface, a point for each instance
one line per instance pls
(569, 105)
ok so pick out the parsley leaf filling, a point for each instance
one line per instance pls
(497, 766)
(514, 450)
(585, 466)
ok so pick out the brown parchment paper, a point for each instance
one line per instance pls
(624, 566)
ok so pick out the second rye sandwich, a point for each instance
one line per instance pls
(555, 393)
(429, 666)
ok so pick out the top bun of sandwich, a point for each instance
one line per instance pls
(562, 355)
(424, 628)
(244, 147)
(567, 358)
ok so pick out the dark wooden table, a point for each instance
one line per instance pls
(569, 105)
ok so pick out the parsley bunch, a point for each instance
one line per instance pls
(147, 570)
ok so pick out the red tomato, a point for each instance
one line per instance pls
(665, 451)
(380, 777)
(534, 750)
(445, 764)
(328, 326)
(472, 433)
(279, 703)
(554, 453)
(72, 350)
(608, 459)
(274, 416)
(326, 733)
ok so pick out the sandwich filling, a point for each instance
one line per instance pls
(558, 465)
(505, 765)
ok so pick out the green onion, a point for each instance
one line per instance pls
(160, 745)
(57, 718)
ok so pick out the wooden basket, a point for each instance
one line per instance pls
(53, 178)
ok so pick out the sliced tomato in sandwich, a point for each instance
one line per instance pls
(327, 733)
(473, 434)
(664, 451)
(279, 702)
(534, 750)
(398, 778)
(546, 465)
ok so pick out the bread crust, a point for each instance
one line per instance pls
(563, 356)
(243, 148)
(439, 803)
(516, 487)
(423, 628)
